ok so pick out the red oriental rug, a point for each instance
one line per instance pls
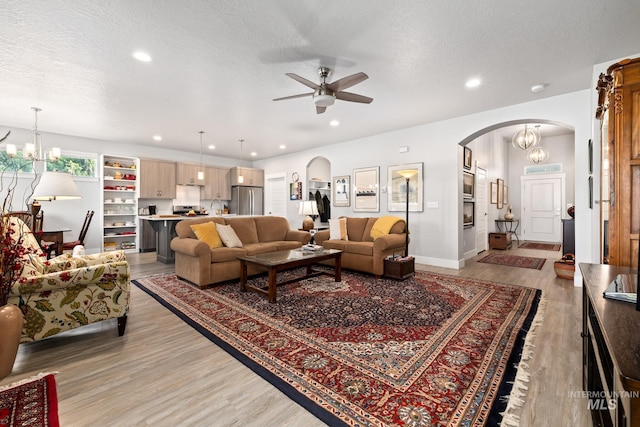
(541, 246)
(514, 261)
(32, 402)
(433, 349)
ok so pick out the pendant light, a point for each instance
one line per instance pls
(201, 171)
(33, 149)
(240, 176)
(538, 154)
(526, 138)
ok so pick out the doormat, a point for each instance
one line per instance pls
(514, 261)
(433, 349)
(541, 246)
(31, 402)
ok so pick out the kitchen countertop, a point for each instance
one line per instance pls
(176, 217)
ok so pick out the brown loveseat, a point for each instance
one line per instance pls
(361, 252)
(198, 263)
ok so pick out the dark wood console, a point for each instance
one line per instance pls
(611, 350)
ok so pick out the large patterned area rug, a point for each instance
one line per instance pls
(514, 261)
(31, 402)
(433, 349)
(540, 246)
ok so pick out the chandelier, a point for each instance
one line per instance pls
(538, 155)
(33, 150)
(526, 138)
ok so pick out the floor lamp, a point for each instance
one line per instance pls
(407, 174)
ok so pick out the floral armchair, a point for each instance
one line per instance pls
(66, 292)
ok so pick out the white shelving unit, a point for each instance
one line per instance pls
(323, 186)
(120, 183)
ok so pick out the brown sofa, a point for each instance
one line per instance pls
(361, 252)
(198, 263)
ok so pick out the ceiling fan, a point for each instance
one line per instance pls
(325, 94)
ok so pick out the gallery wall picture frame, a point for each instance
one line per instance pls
(342, 190)
(468, 185)
(397, 190)
(365, 189)
(467, 158)
(500, 193)
(590, 157)
(468, 214)
(494, 193)
(505, 196)
(590, 192)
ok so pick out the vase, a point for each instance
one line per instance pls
(11, 320)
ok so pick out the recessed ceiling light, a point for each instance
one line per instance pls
(142, 56)
(211, 147)
(282, 146)
(537, 88)
(334, 123)
(253, 153)
(471, 83)
(157, 138)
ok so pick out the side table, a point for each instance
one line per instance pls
(510, 226)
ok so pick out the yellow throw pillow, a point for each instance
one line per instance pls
(207, 233)
(338, 229)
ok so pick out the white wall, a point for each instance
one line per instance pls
(438, 233)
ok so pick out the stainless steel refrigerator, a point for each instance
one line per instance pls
(246, 200)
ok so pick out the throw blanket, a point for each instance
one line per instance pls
(383, 225)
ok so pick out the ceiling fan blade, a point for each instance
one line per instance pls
(353, 97)
(347, 82)
(302, 95)
(320, 109)
(304, 81)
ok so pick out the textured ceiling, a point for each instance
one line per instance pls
(217, 65)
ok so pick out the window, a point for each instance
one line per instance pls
(76, 163)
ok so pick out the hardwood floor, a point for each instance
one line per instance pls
(164, 373)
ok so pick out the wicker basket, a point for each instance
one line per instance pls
(565, 267)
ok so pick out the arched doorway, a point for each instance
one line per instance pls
(504, 166)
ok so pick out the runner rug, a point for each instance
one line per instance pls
(514, 261)
(433, 349)
(540, 246)
(32, 402)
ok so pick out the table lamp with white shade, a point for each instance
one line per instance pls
(56, 186)
(308, 208)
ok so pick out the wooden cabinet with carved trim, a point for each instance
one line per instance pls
(619, 112)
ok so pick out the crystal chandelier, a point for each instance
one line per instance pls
(33, 150)
(526, 138)
(538, 154)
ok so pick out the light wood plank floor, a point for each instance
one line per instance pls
(164, 373)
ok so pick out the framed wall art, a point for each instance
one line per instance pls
(342, 190)
(500, 193)
(397, 188)
(494, 193)
(468, 190)
(468, 209)
(467, 158)
(365, 189)
(505, 196)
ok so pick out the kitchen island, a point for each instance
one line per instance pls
(165, 228)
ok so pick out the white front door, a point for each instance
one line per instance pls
(481, 210)
(542, 201)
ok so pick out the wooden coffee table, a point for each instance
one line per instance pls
(285, 260)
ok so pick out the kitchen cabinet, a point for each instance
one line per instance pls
(157, 179)
(187, 174)
(119, 197)
(619, 114)
(216, 184)
(251, 177)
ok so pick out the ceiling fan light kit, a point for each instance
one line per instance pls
(325, 94)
